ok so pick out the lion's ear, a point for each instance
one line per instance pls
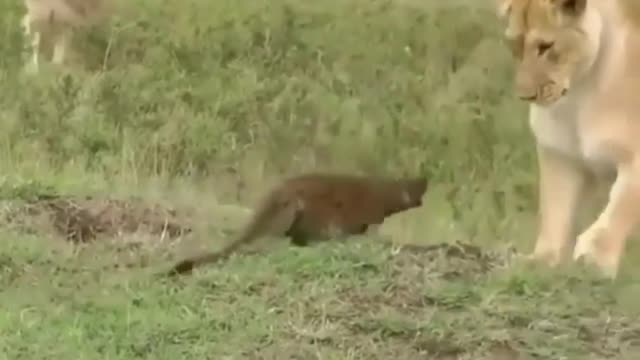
(570, 8)
(514, 12)
(503, 7)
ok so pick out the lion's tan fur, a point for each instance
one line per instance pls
(576, 63)
(631, 11)
(51, 23)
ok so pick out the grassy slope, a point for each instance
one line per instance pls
(203, 101)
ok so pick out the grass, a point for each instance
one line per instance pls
(200, 105)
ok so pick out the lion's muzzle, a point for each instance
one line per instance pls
(538, 87)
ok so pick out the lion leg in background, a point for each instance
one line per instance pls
(35, 38)
(603, 242)
(26, 26)
(60, 46)
(561, 185)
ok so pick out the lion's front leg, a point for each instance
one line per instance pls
(603, 242)
(561, 184)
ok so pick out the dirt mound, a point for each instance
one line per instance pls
(82, 219)
(418, 293)
(412, 268)
(448, 260)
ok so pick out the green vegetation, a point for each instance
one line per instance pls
(197, 105)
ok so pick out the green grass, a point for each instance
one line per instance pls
(201, 104)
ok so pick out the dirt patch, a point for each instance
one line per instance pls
(503, 351)
(446, 260)
(414, 277)
(83, 219)
(413, 265)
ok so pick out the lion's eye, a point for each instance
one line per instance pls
(543, 47)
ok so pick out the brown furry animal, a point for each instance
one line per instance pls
(319, 206)
(51, 23)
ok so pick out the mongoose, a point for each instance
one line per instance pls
(317, 206)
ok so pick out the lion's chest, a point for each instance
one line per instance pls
(562, 128)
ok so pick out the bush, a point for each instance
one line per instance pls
(198, 87)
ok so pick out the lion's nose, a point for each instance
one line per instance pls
(527, 97)
(525, 91)
(525, 86)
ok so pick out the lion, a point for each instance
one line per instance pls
(576, 64)
(51, 23)
(315, 206)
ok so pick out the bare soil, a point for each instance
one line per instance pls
(84, 219)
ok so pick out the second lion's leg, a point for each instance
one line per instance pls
(35, 42)
(604, 241)
(561, 183)
(36, 39)
(60, 46)
(26, 25)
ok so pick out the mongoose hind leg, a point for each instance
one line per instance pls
(296, 232)
(299, 240)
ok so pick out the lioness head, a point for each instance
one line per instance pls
(551, 43)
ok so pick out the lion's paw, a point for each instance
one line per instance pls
(544, 254)
(594, 247)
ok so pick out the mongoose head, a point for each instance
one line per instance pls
(406, 194)
(414, 190)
